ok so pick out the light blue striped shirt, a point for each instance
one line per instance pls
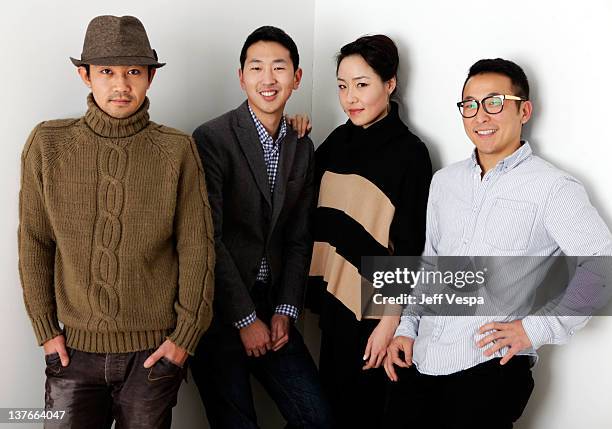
(522, 207)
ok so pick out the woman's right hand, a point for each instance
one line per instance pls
(381, 336)
(300, 123)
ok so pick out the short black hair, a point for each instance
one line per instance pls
(269, 33)
(149, 67)
(507, 68)
(378, 50)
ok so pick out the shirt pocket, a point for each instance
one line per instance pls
(509, 224)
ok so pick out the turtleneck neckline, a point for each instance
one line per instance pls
(390, 124)
(105, 125)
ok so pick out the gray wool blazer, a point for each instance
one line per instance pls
(249, 222)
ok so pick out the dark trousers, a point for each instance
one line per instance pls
(487, 396)
(357, 397)
(222, 369)
(97, 388)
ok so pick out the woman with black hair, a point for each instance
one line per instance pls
(374, 177)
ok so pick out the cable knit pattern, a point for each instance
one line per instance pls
(103, 297)
(115, 234)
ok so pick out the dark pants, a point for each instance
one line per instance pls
(486, 396)
(357, 397)
(97, 388)
(222, 369)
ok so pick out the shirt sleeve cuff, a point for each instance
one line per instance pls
(407, 327)
(537, 330)
(243, 323)
(287, 310)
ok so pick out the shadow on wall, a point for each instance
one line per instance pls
(543, 374)
(403, 78)
(538, 111)
(189, 413)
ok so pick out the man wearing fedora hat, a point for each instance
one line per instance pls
(115, 241)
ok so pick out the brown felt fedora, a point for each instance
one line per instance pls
(117, 41)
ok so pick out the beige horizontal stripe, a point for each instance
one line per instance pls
(361, 200)
(342, 277)
(344, 281)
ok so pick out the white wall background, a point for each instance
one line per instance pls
(564, 48)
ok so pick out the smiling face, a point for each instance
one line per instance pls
(268, 78)
(495, 136)
(363, 95)
(118, 90)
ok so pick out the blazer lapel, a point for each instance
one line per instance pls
(249, 141)
(285, 162)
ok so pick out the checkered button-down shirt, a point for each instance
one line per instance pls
(271, 150)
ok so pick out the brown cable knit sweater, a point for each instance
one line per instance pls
(115, 234)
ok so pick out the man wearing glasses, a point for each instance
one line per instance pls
(503, 201)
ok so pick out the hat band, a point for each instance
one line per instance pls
(119, 61)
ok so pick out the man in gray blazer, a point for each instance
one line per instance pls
(260, 184)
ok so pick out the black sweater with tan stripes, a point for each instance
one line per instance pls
(373, 189)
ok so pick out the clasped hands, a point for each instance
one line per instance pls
(258, 339)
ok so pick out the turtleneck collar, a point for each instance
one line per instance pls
(106, 126)
(389, 126)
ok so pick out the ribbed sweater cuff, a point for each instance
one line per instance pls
(46, 327)
(186, 335)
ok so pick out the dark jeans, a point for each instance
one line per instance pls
(222, 369)
(486, 396)
(97, 388)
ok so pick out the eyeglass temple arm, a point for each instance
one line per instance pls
(514, 97)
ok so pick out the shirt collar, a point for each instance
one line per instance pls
(512, 160)
(264, 136)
